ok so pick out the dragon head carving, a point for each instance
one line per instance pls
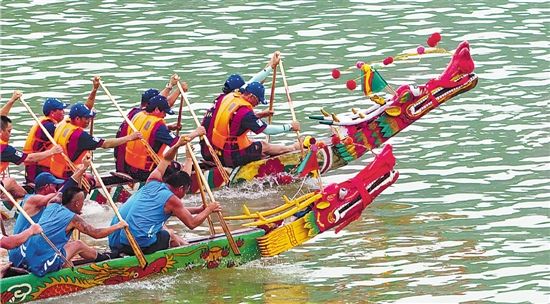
(343, 203)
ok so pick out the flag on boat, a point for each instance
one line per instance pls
(371, 80)
(310, 163)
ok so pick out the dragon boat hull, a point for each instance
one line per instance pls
(271, 232)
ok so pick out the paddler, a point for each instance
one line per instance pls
(46, 191)
(120, 151)
(236, 82)
(58, 221)
(154, 130)
(233, 117)
(8, 154)
(37, 141)
(76, 142)
(147, 210)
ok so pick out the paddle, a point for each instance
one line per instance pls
(203, 197)
(178, 124)
(22, 212)
(204, 182)
(271, 99)
(150, 150)
(137, 250)
(72, 166)
(212, 152)
(290, 103)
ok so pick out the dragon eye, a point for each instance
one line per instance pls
(342, 194)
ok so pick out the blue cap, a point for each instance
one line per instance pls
(159, 102)
(80, 110)
(258, 90)
(53, 104)
(147, 95)
(46, 178)
(233, 82)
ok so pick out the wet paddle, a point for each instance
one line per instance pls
(212, 152)
(287, 90)
(225, 228)
(203, 197)
(137, 250)
(150, 150)
(23, 213)
(72, 166)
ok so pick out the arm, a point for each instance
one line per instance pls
(38, 156)
(16, 240)
(174, 96)
(168, 88)
(91, 98)
(97, 233)
(36, 202)
(165, 161)
(115, 142)
(5, 110)
(175, 206)
(270, 66)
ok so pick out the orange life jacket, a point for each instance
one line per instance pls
(136, 154)
(225, 112)
(3, 165)
(63, 132)
(32, 140)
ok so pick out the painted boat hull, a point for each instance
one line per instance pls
(272, 232)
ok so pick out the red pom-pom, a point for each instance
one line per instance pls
(359, 64)
(351, 84)
(434, 39)
(388, 60)
(335, 74)
(335, 140)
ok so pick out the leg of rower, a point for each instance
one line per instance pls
(271, 149)
(79, 247)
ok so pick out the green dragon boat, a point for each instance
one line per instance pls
(270, 233)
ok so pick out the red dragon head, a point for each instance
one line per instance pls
(344, 202)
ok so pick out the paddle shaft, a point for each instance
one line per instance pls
(137, 250)
(225, 228)
(202, 137)
(29, 219)
(203, 197)
(178, 124)
(150, 150)
(287, 90)
(72, 166)
(271, 99)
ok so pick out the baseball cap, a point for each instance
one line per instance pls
(147, 95)
(233, 82)
(159, 102)
(258, 90)
(53, 104)
(46, 178)
(80, 110)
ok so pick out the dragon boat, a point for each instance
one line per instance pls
(353, 134)
(268, 234)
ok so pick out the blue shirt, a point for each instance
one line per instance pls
(145, 216)
(21, 224)
(39, 257)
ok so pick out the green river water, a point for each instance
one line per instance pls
(467, 221)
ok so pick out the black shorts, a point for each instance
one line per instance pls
(243, 157)
(163, 242)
